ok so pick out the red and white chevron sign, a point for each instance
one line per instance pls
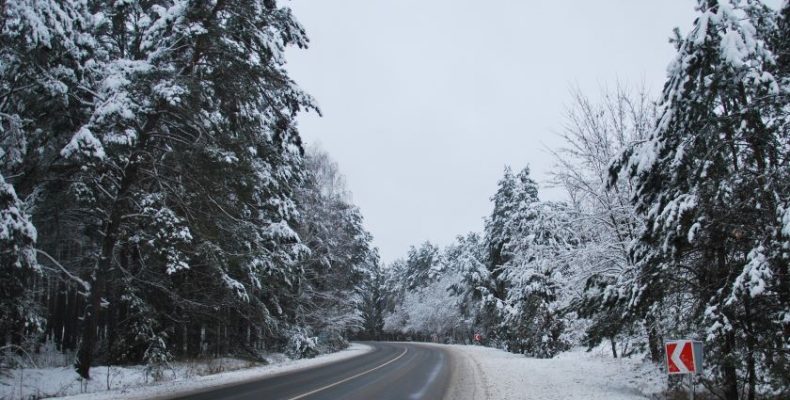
(683, 356)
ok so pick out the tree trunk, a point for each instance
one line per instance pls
(653, 341)
(729, 369)
(614, 346)
(90, 321)
(750, 349)
(104, 263)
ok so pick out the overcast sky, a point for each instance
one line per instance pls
(425, 101)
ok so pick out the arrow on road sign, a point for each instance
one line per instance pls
(681, 357)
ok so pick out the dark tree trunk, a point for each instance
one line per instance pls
(729, 368)
(614, 346)
(104, 263)
(57, 311)
(88, 343)
(750, 349)
(99, 281)
(653, 341)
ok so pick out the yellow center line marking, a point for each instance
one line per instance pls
(301, 396)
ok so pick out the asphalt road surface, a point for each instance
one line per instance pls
(389, 371)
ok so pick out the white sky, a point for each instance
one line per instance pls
(425, 101)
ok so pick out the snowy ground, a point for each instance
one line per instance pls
(572, 375)
(480, 373)
(129, 383)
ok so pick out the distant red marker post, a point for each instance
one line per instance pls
(684, 357)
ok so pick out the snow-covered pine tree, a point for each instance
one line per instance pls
(19, 313)
(504, 206)
(541, 239)
(468, 257)
(423, 265)
(712, 183)
(43, 51)
(781, 42)
(192, 98)
(372, 305)
(340, 250)
(512, 191)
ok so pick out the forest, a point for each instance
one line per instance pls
(157, 202)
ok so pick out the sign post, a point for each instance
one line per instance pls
(684, 357)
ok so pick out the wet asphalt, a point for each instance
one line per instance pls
(392, 371)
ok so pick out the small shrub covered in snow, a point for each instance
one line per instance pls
(301, 345)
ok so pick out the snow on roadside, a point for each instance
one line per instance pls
(130, 383)
(575, 374)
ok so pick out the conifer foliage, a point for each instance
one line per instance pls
(18, 265)
(152, 146)
(711, 183)
(676, 225)
(507, 286)
(156, 202)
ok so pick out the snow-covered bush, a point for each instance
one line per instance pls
(431, 310)
(301, 344)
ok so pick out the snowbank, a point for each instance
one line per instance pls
(129, 383)
(572, 375)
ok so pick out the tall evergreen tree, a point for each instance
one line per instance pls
(44, 48)
(502, 228)
(711, 182)
(541, 238)
(185, 90)
(19, 316)
(422, 266)
(165, 145)
(341, 256)
(504, 207)
(373, 301)
(468, 257)
(496, 238)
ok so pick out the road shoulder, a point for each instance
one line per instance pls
(488, 373)
(467, 382)
(183, 387)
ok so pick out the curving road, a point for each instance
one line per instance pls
(390, 371)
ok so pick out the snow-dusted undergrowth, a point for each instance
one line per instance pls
(134, 382)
